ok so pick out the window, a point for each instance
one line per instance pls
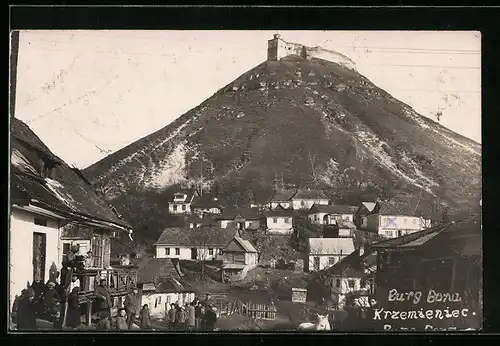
(156, 302)
(177, 251)
(337, 284)
(210, 252)
(97, 251)
(331, 260)
(287, 220)
(167, 251)
(159, 300)
(183, 207)
(351, 283)
(40, 221)
(66, 247)
(315, 217)
(275, 220)
(221, 252)
(364, 222)
(175, 207)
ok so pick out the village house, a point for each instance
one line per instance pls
(364, 209)
(196, 221)
(331, 214)
(283, 199)
(241, 219)
(343, 228)
(159, 285)
(205, 204)
(239, 256)
(446, 259)
(203, 243)
(388, 222)
(322, 253)
(52, 205)
(279, 220)
(181, 202)
(305, 199)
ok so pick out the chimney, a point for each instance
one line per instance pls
(276, 36)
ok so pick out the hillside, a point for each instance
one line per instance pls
(312, 122)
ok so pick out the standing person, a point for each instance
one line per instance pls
(211, 318)
(26, 319)
(191, 316)
(171, 317)
(207, 301)
(51, 302)
(104, 303)
(13, 314)
(130, 305)
(198, 315)
(145, 317)
(181, 318)
(73, 312)
(122, 320)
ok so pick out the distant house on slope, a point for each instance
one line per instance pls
(52, 206)
(282, 198)
(239, 254)
(241, 219)
(205, 204)
(159, 286)
(341, 229)
(364, 209)
(390, 223)
(331, 214)
(305, 199)
(204, 243)
(196, 221)
(325, 252)
(279, 220)
(181, 202)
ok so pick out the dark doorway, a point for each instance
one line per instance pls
(241, 226)
(39, 255)
(194, 253)
(316, 263)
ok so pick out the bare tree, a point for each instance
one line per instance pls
(208, 240)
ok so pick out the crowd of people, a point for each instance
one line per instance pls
(197, 315)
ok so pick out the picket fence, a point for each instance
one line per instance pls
(257, 311)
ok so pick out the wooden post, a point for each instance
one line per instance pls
(89, 312)
(65, 313)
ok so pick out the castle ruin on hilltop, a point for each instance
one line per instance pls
(278, 48)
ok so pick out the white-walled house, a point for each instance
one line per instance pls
(242, 218)
(48, 201)
(203, 243)
(239, 255)
(283, 199)
(331, 214)
(393, 226)
(159, 286)
(181, 202)
(322, 253)
(279, 220)
(305, 199)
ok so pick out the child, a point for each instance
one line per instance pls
(145, 318)
(171, 317)
(121, 320)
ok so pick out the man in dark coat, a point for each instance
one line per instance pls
(104, 301)
(210, 318)
(26, 319)
(73, 312)
(130, 305)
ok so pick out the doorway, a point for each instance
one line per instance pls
(39, 255)
(316, 263)
(194, 253)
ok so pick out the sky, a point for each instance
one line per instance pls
(87, 94)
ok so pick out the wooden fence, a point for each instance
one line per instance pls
(257, 311)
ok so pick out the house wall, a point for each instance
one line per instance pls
(185, 252)
(179, 209)
(392, 226)
(249, 224)
(280, 227)
(250, 258)
(22, 227)
(304, 203)
(317, 218)
(346, 232)
(206, 210)
(157, 301)
(339, 287)
(324, 261)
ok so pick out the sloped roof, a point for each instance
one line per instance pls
(283, 195)
(68, 193)
(192, 237)
(354, 264)
(370, 206)
(205, 220)
(310, 194)
(417, 239)
(154, 267)
(205, 201)
(390, 209)
(279, 211)
(190, 194)
(332, 209)
(331, 246)
(246, 213)
(245, 244)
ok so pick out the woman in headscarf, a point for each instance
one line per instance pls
(73, 312)
(26, 319)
